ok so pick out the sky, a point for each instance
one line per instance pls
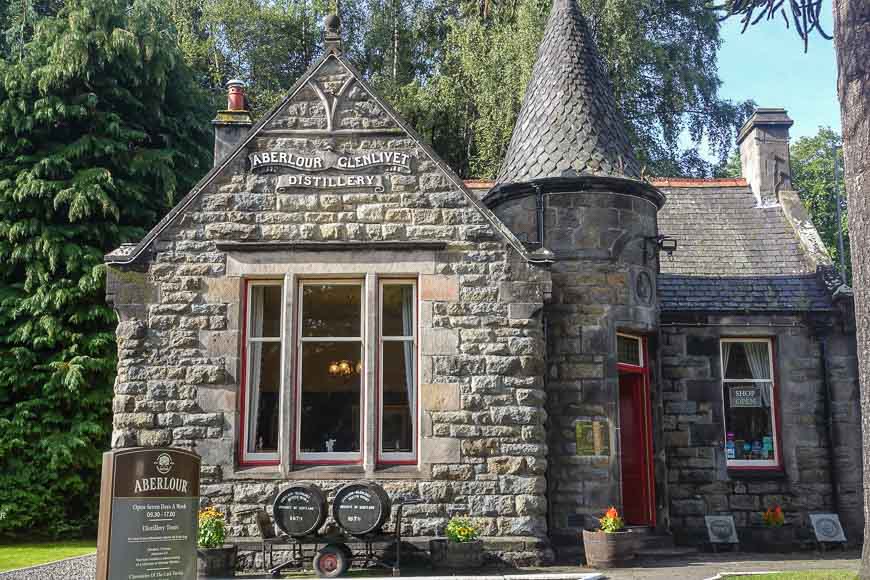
(767, 64)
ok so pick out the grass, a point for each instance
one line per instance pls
(21, 555)
(811, 575)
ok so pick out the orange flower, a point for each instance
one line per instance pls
(612, 513)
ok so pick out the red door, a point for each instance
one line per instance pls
(638, 504)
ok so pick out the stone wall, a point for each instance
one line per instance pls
(698, 480)
(603, 283)
(483, 446)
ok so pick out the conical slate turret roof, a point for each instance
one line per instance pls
(569, 124)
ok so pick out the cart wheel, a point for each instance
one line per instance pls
(331, 561)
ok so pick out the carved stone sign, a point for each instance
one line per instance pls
(392, 160)
(149, 503)
(721, 530)
(286, 182)
(827, 528)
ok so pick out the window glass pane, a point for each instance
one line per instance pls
(748, 422)
(746, 360)
(330, 400)
(331, 310)
(399, 396)
(265, 315)
(398, 310)
(264, 380)
(628, 350)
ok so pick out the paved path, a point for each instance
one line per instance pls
(706, 566)
(700, 567)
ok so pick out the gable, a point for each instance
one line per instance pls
(331, 135)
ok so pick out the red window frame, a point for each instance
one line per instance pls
(244, 461)
(774, 394)
(295, 458)
(379, 403)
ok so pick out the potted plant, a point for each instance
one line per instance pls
(461, 550)
(611, 545)
(774, 534)
(214, 558)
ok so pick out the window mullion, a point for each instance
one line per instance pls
(285, 408)
(371, 347)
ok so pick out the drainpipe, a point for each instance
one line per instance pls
(539, 207)
(829, 415)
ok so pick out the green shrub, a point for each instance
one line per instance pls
(212, 528)
(461, 530)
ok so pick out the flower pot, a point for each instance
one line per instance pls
(456, 555)
(605, 550)
(216, 562)
(777, 540)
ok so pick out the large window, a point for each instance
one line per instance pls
(342, 386)
(749, 403)
(328, 413)
(398, 371)
(262, 383)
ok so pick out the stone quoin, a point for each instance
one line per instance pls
(331, 304)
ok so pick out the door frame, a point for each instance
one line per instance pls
(644, 371)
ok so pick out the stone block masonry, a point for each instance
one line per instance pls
(699, 482)
(482, 442)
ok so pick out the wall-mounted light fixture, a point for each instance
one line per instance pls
(654, 245)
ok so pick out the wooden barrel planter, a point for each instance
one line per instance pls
(300, 509)
(361, 508)
(771, 540)
(216, 562)
(605, 550)
(456, 555)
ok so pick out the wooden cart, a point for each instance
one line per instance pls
(333, 553)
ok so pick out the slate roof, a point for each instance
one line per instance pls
(569, 123)
(733, 256)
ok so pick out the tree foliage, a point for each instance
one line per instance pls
(100, 127)
(812, 167)
(458, 70)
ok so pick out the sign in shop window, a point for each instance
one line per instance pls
(749, 403)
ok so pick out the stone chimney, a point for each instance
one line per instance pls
(233, 123)
(764, 159)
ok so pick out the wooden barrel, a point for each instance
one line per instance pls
(300, 509)
(361, 508)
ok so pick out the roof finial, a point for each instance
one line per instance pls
(332, 33)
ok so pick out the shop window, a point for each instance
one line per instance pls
(262, 384)
(749, 400)
(330, 372)
(398, 372)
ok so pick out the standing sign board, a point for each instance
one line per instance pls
(149, 504)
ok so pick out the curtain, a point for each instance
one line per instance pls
(726, 356)
(759, 365)
(408, 331)
(255, 365)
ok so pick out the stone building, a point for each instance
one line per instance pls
(332, 303)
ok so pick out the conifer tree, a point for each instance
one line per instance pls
(100, 126)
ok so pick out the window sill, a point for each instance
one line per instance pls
(756, 472)
(253, 472)
(309, 472)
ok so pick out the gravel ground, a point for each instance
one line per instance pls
(80, 568)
